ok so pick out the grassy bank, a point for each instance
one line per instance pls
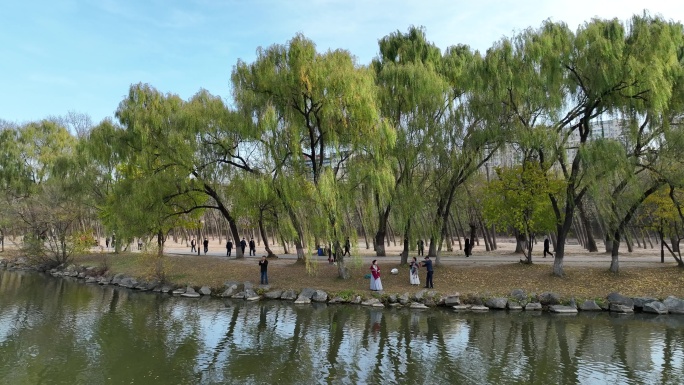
(490, 280)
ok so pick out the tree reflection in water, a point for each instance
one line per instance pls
(57, 331)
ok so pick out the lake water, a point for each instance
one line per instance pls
(58, 331)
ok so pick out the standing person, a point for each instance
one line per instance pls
(466, 249)
(243, 244)
(252, 247)
(229, 247)
(413, 272)
(107, 242)
(206, 246)
(347, 247)
(421, 247)
(192, 245)
(375, 283)
(264, 269)
(428, 267)
(546, 247)
(113, 241)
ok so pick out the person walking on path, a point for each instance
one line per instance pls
(107, 242)
(375, 283)
(466, 249)
(421, 247)
(413, 272)
(546, 247)
(264, 270)
(192, 245)
(243, 245)
(206, 246)
(347, 247)
(229, 247)
(428, 267)
(252, 247)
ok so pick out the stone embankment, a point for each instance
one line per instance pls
(517, 300)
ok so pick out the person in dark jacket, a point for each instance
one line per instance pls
(243, 245)
(206, 246)
(466, 248)
(252, 247)
(546, 247)
(229, 247)
(264, 270)
(428, 267)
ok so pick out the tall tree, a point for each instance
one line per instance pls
(325, 116)
(412, 98)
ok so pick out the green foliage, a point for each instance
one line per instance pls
(519, 199)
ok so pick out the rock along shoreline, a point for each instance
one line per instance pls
(517, 300)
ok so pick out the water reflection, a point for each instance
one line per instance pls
(54, 331)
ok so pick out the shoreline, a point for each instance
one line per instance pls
(513, 300)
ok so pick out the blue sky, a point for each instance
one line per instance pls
(82, 55)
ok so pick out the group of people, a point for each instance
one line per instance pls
(414, 279)
(229, 246)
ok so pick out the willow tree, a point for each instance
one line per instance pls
(325, 116)
(36, 182)
(412, 99)
(200, 146)
(468, 133)
(607, 66)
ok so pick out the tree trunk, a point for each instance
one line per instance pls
(636, 238)
(407, 242)
(591, 242)
(614, 263)
(262, 231)
(609, 243)
(301, 255)
(363, 227)
(519, 249)
(458, 235)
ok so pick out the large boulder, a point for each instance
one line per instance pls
(190, 293)
(548, 298)
(419, 296)
(374, 302)
(674, 305)
(251, 295)
(655, 307)
(117, 279)
(404, 299)
(514, 305)
(337, 299)
(417, 305)
(497, 303)
(619, 308)
(230, 291)
(305, 295)
(319, 296)
(289, 295)
(129, 282)
(452, 300)
(619, 299)
(273, 294)
(532, 306)
(561, 309)
(519, 295)
(205, 290)
(589, 305)
(639, 302)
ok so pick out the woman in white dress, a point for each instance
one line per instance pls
(375, 283)
(413, 272)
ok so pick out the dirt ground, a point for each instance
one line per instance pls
(484, 273)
